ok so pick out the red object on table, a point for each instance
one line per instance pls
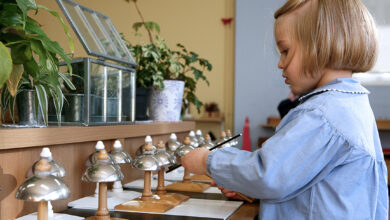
(246, 137)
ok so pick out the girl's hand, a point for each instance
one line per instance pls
(229, 194)
(195, 160)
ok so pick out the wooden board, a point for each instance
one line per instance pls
(201, 178)
(188, 187)
(138, 205)
(174, 198)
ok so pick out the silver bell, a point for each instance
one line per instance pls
(141, 149)
(207, 143)
(103, 170)
(200, 137)
(164, 158)
(193, 140)
(222, 139)
(56, 169)
(184, 149)
(92, 158)
(118, 155)
(42, 186)
(146, 161)
(172, 144)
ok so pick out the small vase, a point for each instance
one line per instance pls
(25, 101)
(165, 105)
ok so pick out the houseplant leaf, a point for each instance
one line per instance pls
(5, 64)
(10, 16)
(20, 53)
(67, 81)
(58, 100)
(13, 81)
(66, 29)
(5, 97)
(42, 101)
(26, 5)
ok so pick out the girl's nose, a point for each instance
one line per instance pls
(280, 64)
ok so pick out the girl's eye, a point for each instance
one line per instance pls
(284, 52)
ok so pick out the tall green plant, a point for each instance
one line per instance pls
(34, 56)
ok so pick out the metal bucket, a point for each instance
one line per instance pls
(74, 108)
(25, 101)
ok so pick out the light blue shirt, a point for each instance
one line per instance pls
(325, 160)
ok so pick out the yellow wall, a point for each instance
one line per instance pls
(194, 23)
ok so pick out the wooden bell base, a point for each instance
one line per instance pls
(174, 198)
(188, 187)
(203, 178)
(103, 218)
(139, 205)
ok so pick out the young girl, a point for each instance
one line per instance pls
(325, 160)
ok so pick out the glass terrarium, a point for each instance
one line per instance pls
(104, 94)
(105, 84)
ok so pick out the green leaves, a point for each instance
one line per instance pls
(156, 62)
(42, 101)
(66, 29)
(190, 63)
(33, 59)
(5, 64)
(148, 25)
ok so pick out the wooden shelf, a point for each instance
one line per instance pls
(206, 119)
(383, 125)
(32, 137)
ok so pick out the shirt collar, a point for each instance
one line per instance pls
(344, 85)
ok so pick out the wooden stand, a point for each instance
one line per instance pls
(171, 198)
(187, 185)
(201, 178)
(42, 210)
(147, 202)
(102, 212)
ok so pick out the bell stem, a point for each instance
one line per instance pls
(102, 206)
(161, 187)
(187, 177)
(42, 210)
(147, 193)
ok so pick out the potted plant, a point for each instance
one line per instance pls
(173, 75)
(34, 76)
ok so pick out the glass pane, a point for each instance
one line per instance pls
(97, 92)
(97, 32)
(103, 38)
(84, 31)
(109, 27)
(113, 93)
(126, 96)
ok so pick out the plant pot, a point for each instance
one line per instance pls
(74, 108)
(25, 102)
(141, 103)
(165, 105)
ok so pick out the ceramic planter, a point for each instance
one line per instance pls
(165, 105)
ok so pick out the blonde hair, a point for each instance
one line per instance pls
(336, 34)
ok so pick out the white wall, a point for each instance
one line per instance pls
(259, 86)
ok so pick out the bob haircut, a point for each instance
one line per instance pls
(335, 34)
